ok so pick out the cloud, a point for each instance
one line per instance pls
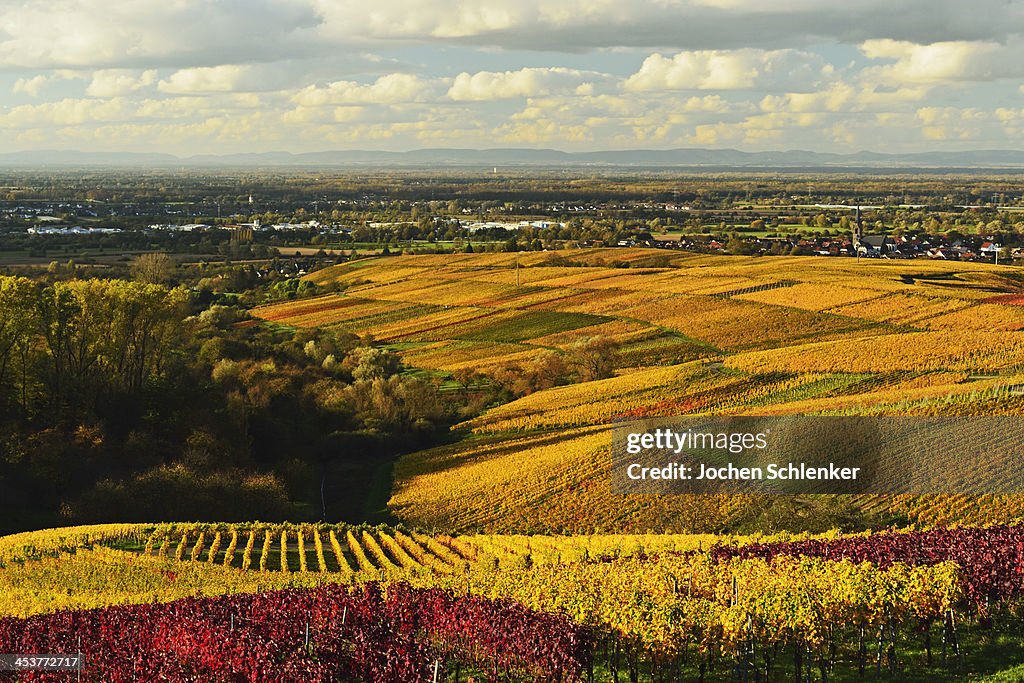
(844, 96)
(389, 89)
(527, 82)
(223, 78)
(744, 69)
(947, 61)
(197, 75)
(708, 103)
(147, 33)
(1007, 116)
(713, 134)
(144, 34)
(114, 82)
(544, 132)
(580, 25)
(953, 123)
(66, 112)
(31, 86)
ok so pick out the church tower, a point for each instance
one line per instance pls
(858, 230)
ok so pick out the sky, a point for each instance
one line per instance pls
(225, 76)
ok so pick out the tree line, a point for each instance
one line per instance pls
(127, 400)
(67, 346)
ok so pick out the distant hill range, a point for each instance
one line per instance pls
(539, 158)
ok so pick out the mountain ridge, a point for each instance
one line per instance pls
(527, 157)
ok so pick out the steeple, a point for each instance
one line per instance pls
(858, 230)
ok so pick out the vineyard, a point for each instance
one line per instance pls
(511, 560)
(113, 564)
(407, 606)
(697, 335)
(325, 634)
(789, 317)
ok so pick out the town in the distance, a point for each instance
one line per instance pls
(87, 214)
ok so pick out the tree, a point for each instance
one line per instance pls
(736, 245)
(58, 311)
(594, 358)
(156, 268)
(465, 377)
(107, 335)
(368, 363)
(395, 403)
(547, 370)
(18, 327)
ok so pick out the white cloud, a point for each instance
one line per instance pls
(544, 132)
(181, 108)
(30, 86)
(713, 134)
(708, 103)
(845, 97)
(143, 33)
(579, 25)
(835, 98)
(744, 69)
(33, 86)
(389, 89)
(93, 34)
(66, 112)
(223, 78)
(1006, 116)
(950, 115)
(943, 62)
(114, 82)
(461, 19)
(527, 82)
(952, 123)
(194, 75)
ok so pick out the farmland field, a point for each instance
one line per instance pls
(692, 606)
(507, 556)
(696, 335)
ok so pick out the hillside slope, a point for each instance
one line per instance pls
(697, 335)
